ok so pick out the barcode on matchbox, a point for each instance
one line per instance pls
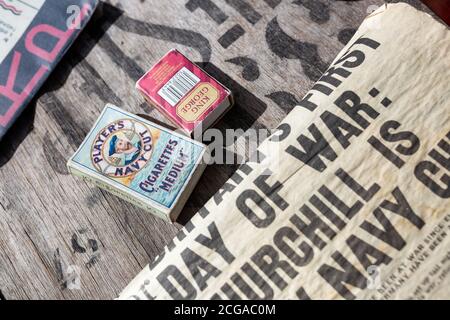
(178, 86)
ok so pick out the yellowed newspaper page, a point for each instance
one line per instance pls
(351, 199)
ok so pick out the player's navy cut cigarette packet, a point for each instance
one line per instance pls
(139, 161)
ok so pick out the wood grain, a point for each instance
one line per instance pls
(54, 226)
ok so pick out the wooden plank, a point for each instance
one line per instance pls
(53, 226)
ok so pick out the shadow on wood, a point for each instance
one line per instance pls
(17, 133)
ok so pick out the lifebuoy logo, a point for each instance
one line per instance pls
(122, 148)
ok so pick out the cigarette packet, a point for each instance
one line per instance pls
(139, 161)
(188, 96)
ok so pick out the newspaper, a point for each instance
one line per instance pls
(350, 201)
(34, 36)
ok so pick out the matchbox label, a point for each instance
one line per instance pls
(184, 92)
(15, 18)
(141, 157)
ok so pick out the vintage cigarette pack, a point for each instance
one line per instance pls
(139, 161)
(186, 94)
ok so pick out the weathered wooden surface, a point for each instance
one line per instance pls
(53, 225)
